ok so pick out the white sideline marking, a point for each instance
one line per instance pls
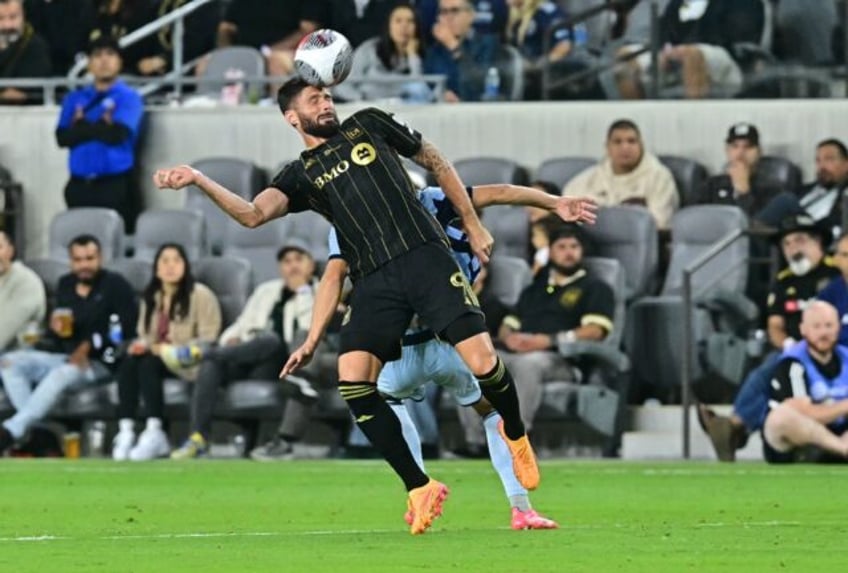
(331, 532)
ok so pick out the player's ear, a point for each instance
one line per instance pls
(291, 117)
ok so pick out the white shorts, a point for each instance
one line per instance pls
(431, 361)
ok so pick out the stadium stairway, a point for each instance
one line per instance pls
(656, 434)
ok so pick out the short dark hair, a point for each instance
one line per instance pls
(623, 124)
(83, 240)
(843, 151)
(289, 91)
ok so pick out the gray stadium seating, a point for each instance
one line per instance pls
(243, 58)
(689, 176)
(231, 279)
(654, 336)
(629, 235)
(50, 271)
(510, 226)
(138, 272)
(508, 276)
(488, 170)
(260, 246)
(311, 229)
(241, 177)
(561, 170)
(157, 227)
(781, 171)
(105, 224)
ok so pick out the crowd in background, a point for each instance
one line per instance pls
(707, 47)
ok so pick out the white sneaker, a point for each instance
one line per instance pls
(121, 446)
(152, 444)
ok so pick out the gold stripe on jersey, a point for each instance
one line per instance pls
(401, 189)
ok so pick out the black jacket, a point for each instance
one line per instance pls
(718, 190)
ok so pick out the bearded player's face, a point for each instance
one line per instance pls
(315, 112)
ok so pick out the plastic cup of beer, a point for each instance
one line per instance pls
(64, 318)
(72, 445)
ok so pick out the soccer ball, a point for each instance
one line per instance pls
(323, 58)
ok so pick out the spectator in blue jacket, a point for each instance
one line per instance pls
(459, 52)
(100, 125)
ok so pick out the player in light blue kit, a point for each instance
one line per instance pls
(424, 358)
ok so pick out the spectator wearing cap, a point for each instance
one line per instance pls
(23, 54)
(741, 184)
(257, 345)
(808, 272)
(100, 125)
(564, 303)
(628, 175)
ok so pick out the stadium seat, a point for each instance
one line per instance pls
(510, 226)
(231, 279)
(157, 227)
(508, 276)
(221, 61)
(105, 224)
(488, 170)
(50, 271)
(313, 230)
(138, 272)
(781, 171)
(260, 246)
(510, 64)
(241, 177)
(629, 235)
(561, 170)
(689, 176)
(654, 336)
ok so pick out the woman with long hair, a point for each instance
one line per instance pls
(178, 316)
(529, 23)
(397, 51)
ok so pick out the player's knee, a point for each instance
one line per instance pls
(782, 418)
(482, 364)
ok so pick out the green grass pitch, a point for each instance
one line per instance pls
(346, 517)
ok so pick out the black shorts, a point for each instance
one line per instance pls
(425, 281)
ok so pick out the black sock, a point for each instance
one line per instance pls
(382, 427)
(499, 389)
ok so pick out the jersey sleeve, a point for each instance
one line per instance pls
(438, 204)
(789, 381)
(403, 138)
(776, 302)
(334, 251)
(291, 184)
(599, 306)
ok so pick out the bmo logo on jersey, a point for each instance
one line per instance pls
(330, 175)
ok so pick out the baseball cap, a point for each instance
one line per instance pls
(104, 42)
(803, 223)
(294, 245)
(743, 131)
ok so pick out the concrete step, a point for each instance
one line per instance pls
(669, 446)
(661, 418)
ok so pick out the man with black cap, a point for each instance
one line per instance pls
(741, 184)
(258, 344)
(809, 271)
(23, 53)
(100, 125)
(564, 303)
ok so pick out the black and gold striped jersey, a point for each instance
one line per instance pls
(357, 181)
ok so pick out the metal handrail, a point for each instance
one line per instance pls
(50, 85)
(688, 324)
(175, 17)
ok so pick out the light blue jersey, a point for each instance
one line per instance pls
(432, 360)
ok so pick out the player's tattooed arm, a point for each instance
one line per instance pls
(433, 160)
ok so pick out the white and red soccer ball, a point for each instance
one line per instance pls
(323, 58)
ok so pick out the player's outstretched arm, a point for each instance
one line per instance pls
(269, 204)
(327, 298)
(571, 209)
(446, 176)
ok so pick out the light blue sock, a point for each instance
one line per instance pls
(501, 458)
(410, 433)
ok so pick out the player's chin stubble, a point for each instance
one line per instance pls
(323, 130)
